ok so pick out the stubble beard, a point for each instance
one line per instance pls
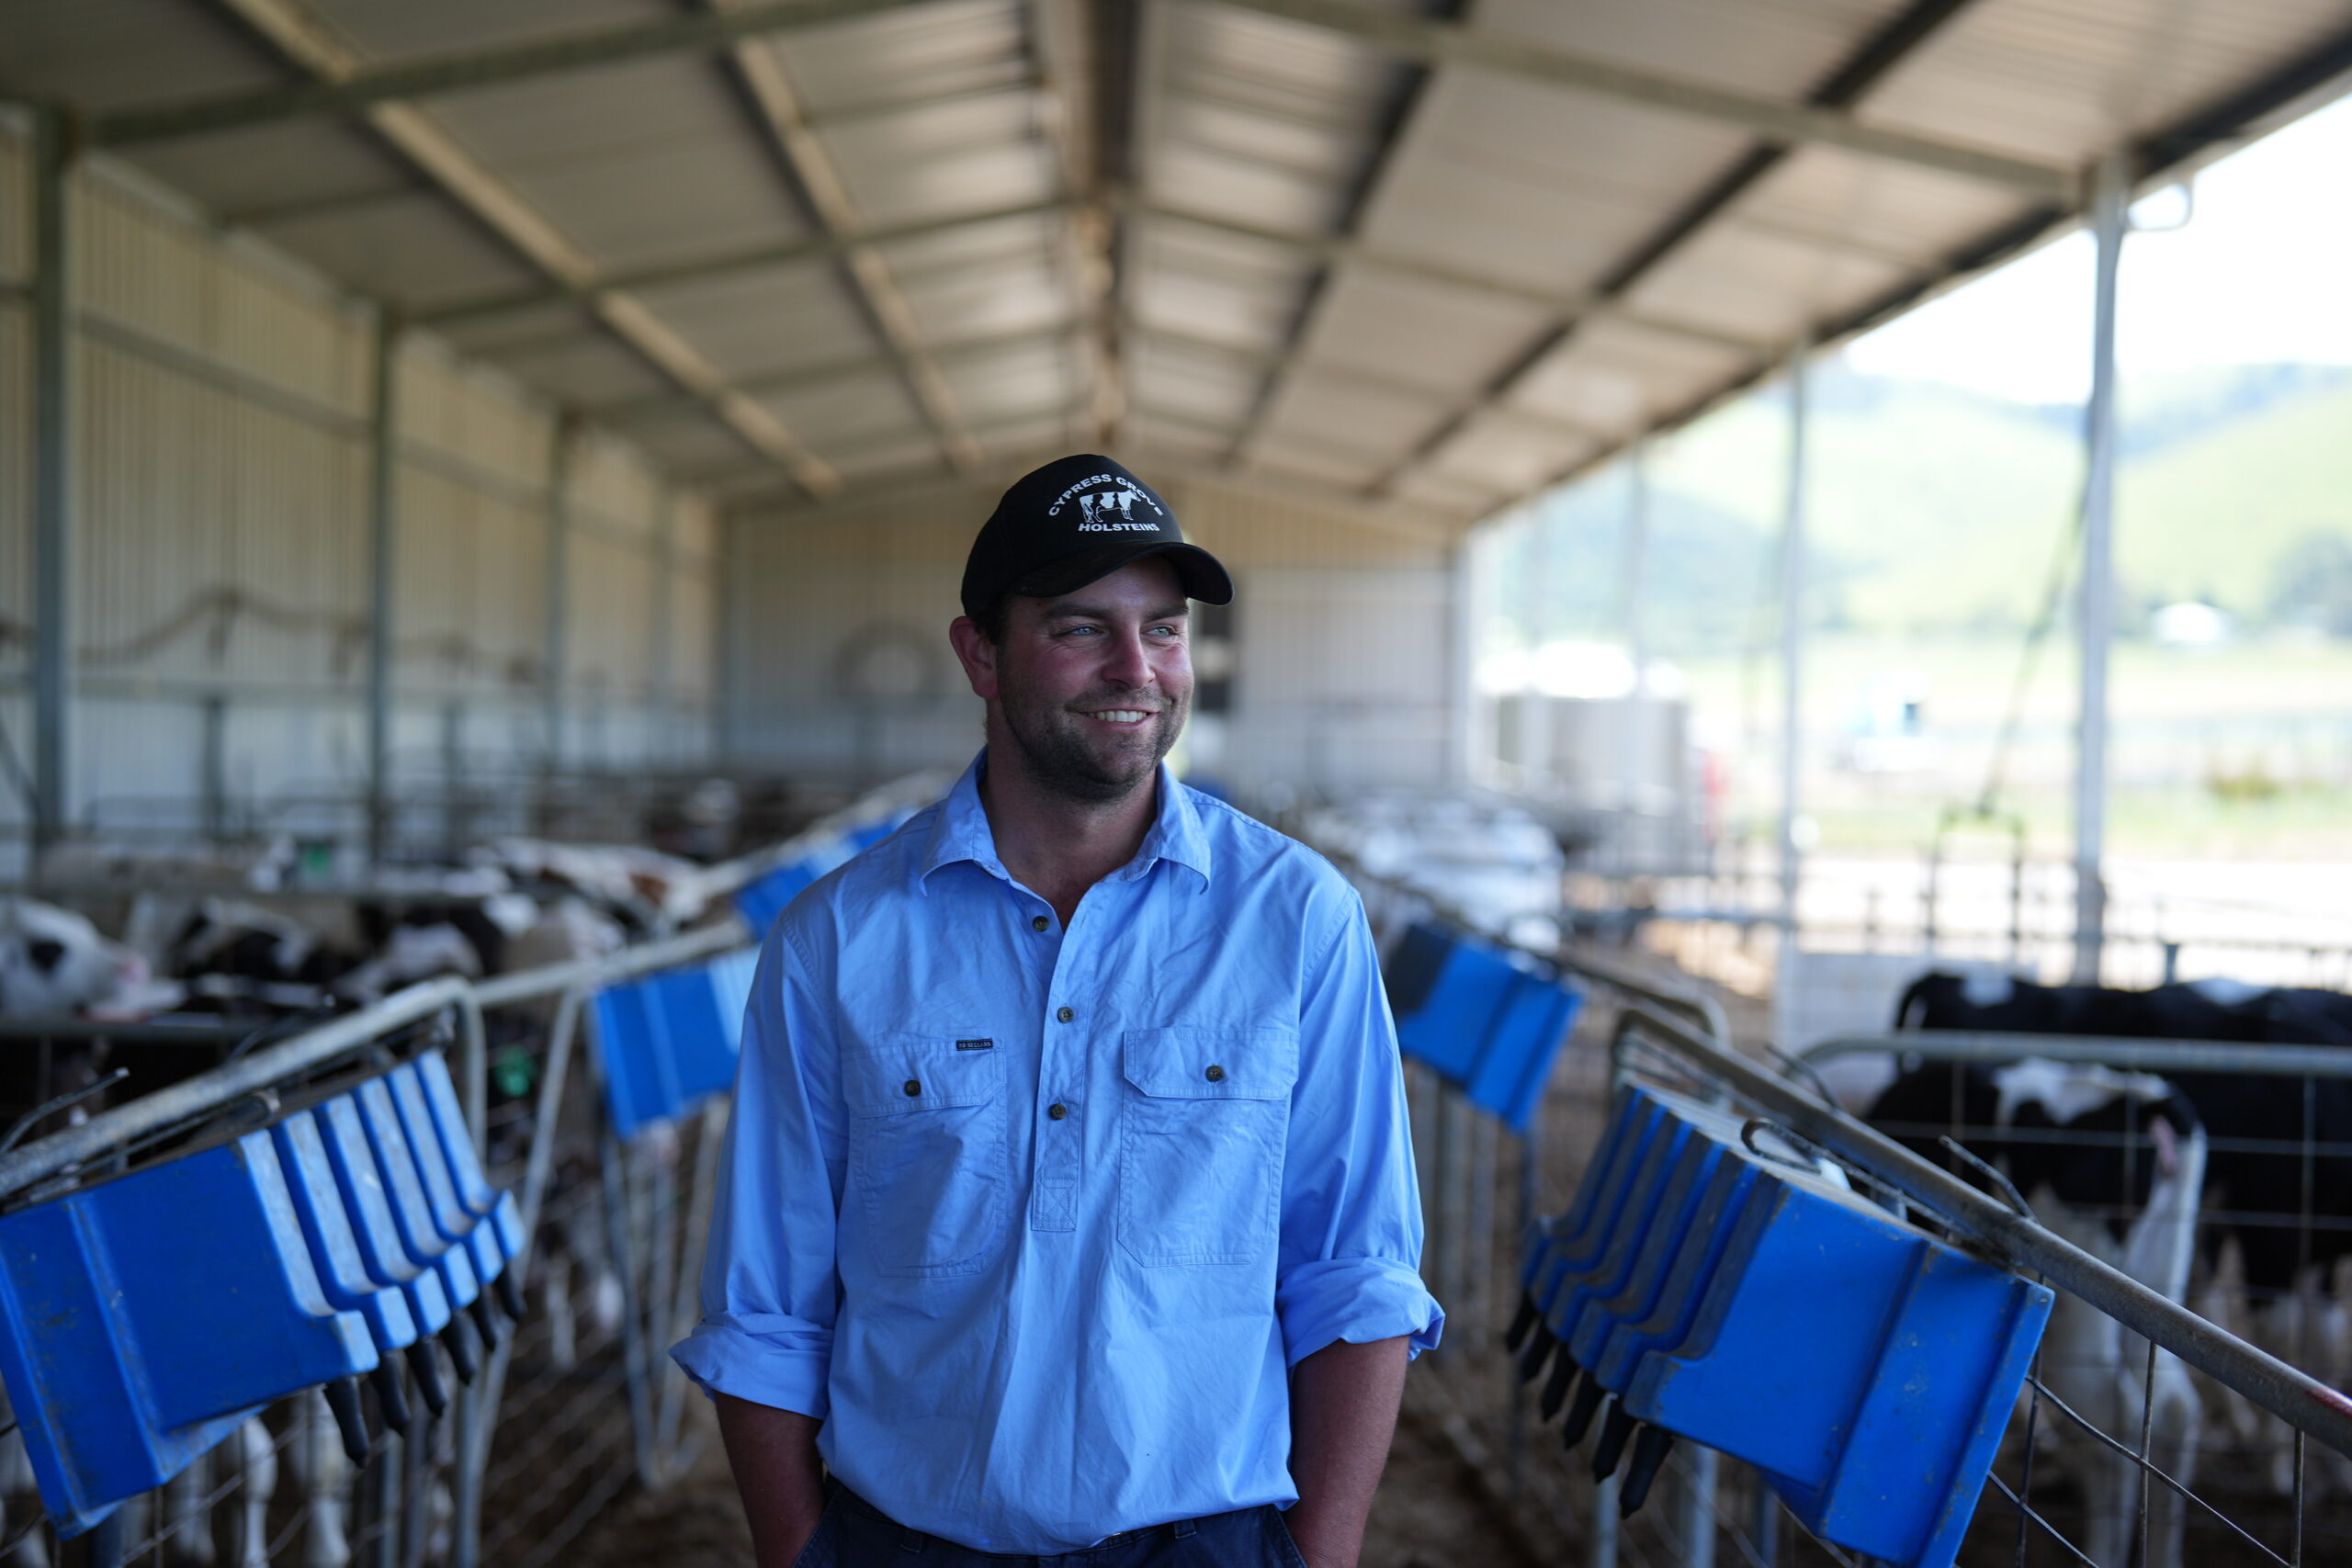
(1053, 749)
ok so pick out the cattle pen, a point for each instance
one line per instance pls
(1825, 679)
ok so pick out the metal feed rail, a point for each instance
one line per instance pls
(2158, 1056)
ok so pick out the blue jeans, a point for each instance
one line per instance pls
(855, 1534)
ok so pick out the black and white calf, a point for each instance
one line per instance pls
(2280, 1176)
(2114, 1163)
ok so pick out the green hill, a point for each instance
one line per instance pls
(1934, 508)
(2239, 514)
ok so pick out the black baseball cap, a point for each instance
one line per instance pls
(1077, 519)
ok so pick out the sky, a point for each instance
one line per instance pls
(2261, 273)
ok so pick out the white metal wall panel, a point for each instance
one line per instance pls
(472, 414)
(614, 487)
(470, 603)
(696, 525)
(1335, 686)
(608, 640)
(695, 609)
(216, 537)
(221, 515)
(840, 657)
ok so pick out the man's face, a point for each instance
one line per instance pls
(1094, 687)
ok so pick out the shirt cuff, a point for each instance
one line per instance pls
(1360, 1300)
(769, 1359)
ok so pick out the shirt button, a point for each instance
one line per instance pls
(1065, 1015)
(915, 1087)
(1214, 1075)
(1058, 1111)
(1036, 923)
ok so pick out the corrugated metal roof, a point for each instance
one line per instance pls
(1351, 242)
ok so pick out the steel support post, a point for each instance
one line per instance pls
(1764, 1523)
(1792, 602)
(1462, 714)
(52, 324)
(1695, 1499)
(1636, 563)
(383, 527)
(726, 739)
(665, 593)
(2096, 616)
(555, 649)
(1535, 704)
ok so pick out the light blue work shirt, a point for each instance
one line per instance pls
(1037, 1221)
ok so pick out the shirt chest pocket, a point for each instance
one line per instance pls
(927, 1152)
(1201, 1138)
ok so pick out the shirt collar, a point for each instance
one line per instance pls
(961, 831)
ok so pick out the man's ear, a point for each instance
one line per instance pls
(976, 653)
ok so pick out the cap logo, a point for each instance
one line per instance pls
(1110, 511)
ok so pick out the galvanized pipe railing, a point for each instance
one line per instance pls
(2303, 1402)
(2132, 1056)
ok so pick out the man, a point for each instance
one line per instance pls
(1068, 1204)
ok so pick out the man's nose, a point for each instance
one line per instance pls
(1124, 661)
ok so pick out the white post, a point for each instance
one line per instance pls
(1535, 759)
(2097, 618)
(1636, 563)
(1792, 585)
(1462, 718)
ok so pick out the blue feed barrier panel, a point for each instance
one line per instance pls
(760, 900)
(1479, 1015)
(146, 1318)
(1699, 1287)
(669, 1042)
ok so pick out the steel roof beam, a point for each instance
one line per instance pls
(823, 248)
(362, 85)
(814, 178)
(302, 42)
(1451, 43)
(1332, 250)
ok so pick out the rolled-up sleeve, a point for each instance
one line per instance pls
(770, 1286)
(1350, 1250)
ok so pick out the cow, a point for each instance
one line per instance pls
(2114, 1163)
(53, 963)
(2284, 1213)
